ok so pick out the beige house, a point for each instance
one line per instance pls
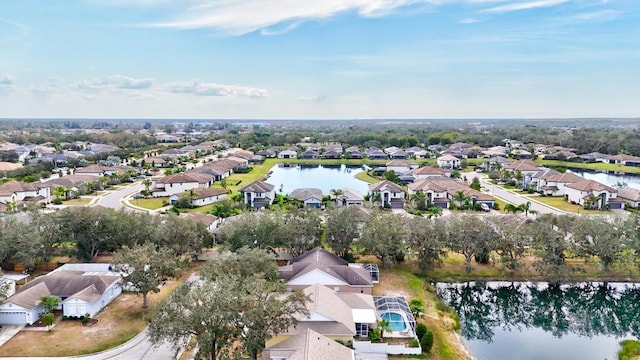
(308, 345)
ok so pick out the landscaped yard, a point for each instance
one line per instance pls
(562, 204)
(150, 203)
(120, 321)
(78, 202)
(366, 177)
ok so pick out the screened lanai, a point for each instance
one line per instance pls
(396, 310)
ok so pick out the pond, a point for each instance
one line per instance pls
(526, 321)
(632, 180)
(323, 177)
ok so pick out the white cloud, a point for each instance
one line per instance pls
(114, 82)
(527, 5)
(239, 17)
(312, 98)
(469, 21)
(212, 89)
(604, 15)
(7, 80)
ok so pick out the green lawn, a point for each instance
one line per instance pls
(150, 203)
(560, 203)
(77, 202)
(367, 178)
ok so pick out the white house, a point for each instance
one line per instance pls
(310, 197)
(630, 196)
(201, 196)
(258, 194)
(427, 172)
(83, 289)
(210, 221)
(401, 166)
(18, 191)
(388, 193)
(179, 183)
(448, 162)
(349, 197)
(589, 191)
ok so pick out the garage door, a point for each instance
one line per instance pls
(13, 318)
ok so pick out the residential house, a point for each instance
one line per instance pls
(331, 154)
(426, 172)
(400, 155)
(495, 151)
(338, 316)
(166, 138)
(83, 289)
(349, 197)
(210, 221)
(448, 162)
(553, 183)
(310, 197)
(258, 194)
(525, 169)
(201, 196)
(99, 170)
(319, 266)
(392, 149)
(240, 153)
(74, 183)
(630, 196)
(401, 166)
(256, 159)
(388, 193)
(413, 150)
(158, 162)
(18, 192)
(624, 159)
(496, 163)
(179, 183)
(267, 153)
(593, 194)
(376, 154)
(287, 154)
(442, 191)
(594, 157)
(309, 154)
(308, 345)
(354, 154)
(561, 155)
(521, 154)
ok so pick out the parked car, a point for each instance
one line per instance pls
(485, 207)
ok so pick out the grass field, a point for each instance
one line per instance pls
(591, 166)
(150, 203)
(77, 202)
(560, 203)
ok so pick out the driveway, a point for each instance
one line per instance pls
(138, 348)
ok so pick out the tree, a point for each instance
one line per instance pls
(245, 262)
(49, 303)
(512, 241)
(434, 211)
(144, 268)
(511, 208)
(383, 325)
(336, 193)
(550, 236)
(147, 185)
(427, 342)
(48, 319)
(597, 236)
(262, 230)
(384, 236)
(419, 200)
(469, 236)
(416, 306)
(475, 183)
(461, 199)
(343, 226)
(427, 240)
(526, 207)
(302, 229)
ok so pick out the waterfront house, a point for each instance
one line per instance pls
(401, 166)
(179, 183)
(387, 193)
(310, 197)
(258, 194)
(287, 154)
(593, 194)
(200, 196)
(630, 196)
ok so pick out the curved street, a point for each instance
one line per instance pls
(114, 198)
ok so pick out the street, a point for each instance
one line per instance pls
(112, 200)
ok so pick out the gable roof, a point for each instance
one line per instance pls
(590, 185)
(71, 181)
(386, 185)
(399, 162)
(447, 157)
(205, 219)
(318, 258)
(308, 345)
(257, 186)
(430, 170)
(203, 193)
(324, 302)
(306, 193)
(187, 177)
(15, 186)
(350, 195)
(522, 165)
(629, 194)
(64, 284)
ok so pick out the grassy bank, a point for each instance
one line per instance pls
(630, 350)
(590, 166)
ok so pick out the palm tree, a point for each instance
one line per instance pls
(192, 194)
(419, 199)
(335, 193)
(147, 184)
(60, 192)
(434, 211)
(103, 181)
(511, 208)
(384, 325)
(526, 207)
(460, 198)
(376, 198)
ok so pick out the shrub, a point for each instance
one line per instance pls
(375, 335)
(85, 318)
(414, 343)
(427, 342)
(421, 329)
(56, 201)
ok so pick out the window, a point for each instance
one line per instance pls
(362, 330)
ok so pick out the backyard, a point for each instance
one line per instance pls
(120, 321)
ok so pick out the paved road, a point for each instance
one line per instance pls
(511, 197)
(138, 348)
(112, 200)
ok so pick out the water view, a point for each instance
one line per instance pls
(632, 181)
(323, 177)
(526, 321)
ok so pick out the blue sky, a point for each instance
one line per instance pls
(319, 59)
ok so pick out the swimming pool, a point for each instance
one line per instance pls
(396, 321)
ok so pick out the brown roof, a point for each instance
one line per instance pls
(7, 166)
(590, 185)
(185, 178)
(201, 218)
(386, 185)
(629, 194)
(565, 178)
(447, 157)
(203, 193)
(522, 165)
(257, 186)
(329, 263)
(14, 186)
(308, 345)
(430, 170)
(64, 284)
(401, 163)
(71, 181)
(306, 193)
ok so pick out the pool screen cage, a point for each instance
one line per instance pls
(373, 271)
(395, 303)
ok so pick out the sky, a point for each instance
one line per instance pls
(319, 59)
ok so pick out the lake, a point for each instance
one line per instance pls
(633, 181)
(323, 177)
(527, 321)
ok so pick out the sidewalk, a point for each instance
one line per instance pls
(9, 331)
